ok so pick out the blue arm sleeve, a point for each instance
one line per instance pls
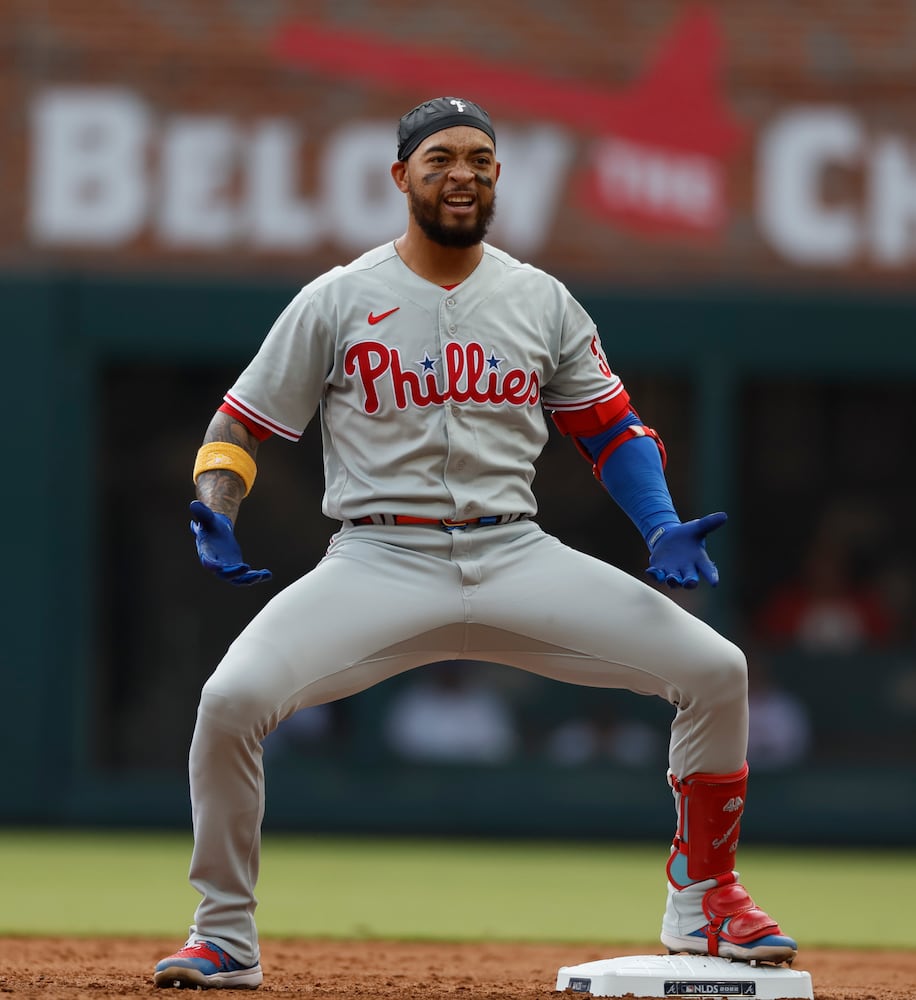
(634, 477)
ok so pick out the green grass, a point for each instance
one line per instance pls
(86, 883)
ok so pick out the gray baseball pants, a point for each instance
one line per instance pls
(387, 599)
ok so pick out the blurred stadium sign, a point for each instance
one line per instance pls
(657, 176)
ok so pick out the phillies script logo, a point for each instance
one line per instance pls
(469, 376)
(658, 150)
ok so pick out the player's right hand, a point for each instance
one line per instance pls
(218, 548)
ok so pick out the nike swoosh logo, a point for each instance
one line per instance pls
(373, 319)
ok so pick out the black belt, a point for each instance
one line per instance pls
(445, 523)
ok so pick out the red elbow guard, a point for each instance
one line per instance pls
(633, 431)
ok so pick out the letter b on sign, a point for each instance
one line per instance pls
(89, 182)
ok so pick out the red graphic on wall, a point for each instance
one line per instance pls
(660, 146)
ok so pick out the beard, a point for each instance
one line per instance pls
(459, 236)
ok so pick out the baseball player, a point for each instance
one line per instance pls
(430, 362)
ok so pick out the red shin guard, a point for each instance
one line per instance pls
(710, 807)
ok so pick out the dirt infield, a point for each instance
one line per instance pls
(68, 968)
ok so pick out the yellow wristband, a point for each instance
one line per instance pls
(221, 455)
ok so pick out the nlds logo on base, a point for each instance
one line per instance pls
(710, 988)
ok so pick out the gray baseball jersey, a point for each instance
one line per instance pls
(430, 399)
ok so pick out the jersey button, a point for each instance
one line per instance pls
(450, 303)
(452, 328)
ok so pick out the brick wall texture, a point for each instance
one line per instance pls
(698, 89)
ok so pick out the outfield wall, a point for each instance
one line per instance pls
(110, 626)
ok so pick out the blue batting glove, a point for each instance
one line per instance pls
(218, 549)
(678, 556)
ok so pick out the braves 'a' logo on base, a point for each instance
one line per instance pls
(468, 375)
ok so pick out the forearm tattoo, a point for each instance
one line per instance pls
(220, 489)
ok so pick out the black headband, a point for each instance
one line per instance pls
(435, 115)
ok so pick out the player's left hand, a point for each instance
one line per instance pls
(679, 556)
(218, 548)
